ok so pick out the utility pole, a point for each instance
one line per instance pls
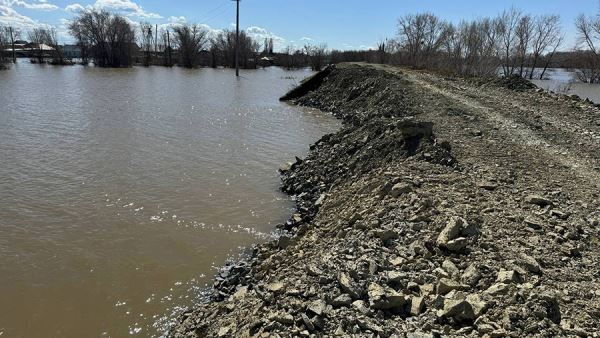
(12, 42)
(237, 38)
(169, 47)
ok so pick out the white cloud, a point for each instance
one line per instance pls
(74, 8)
(39, 5)
(178, 20)
(10, 17)
(126, 7)
(305, 38)
(260, 34)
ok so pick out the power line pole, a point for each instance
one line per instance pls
(12, 42)
(237, 38)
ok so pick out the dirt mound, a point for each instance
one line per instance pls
(516, 82)
(357, 151)
(356, 93)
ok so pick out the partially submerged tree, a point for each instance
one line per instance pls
(223, 50)
(508, 25)
(317, 56)
(146, 42)
(38, 38)
(546, 39)
(56, 51)
(4, 41)
(588, 29)
(109, 37)
(523, 34)
(165, 44)
(190, 40)
(9, 35)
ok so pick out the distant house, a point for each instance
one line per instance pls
(35, 46)
(71, 51)
(266, 61)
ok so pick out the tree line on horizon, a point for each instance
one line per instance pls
(513, 44)
(110, 40)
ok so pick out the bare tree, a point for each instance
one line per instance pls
(223, 50)
(56, 52)
(546, 39)
(38, 37)
(9, 34)
(268, 46)
(421, 35)
(165, 46)
(588, 30)
(508, 23)
(109, 37)
(190, 40)
(146, 38)
(78, 31)
(523, 34)
(317, 55)
(4, 41)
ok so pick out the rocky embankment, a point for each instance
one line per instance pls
(443, 207)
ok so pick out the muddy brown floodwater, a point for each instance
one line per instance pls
(122, 190)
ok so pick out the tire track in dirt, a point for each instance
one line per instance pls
(584, 168)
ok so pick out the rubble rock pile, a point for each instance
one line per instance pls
(399, 234)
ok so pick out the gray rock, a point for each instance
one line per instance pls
(361, 306)
(446, 285)
(538, 200)
(383, 298)
(386, 234)
(283, 318)
(457, 245)
(529, 263)
(478, 305)
(507, 277)
(450, 267)
(307, 322)
(534, 224)
(471, 275)
(317, 307)
(348, 286)
(450, 231)
(342, 300)
(486, 185)
(320, 200)
(497, 289)
(400, 188)
(394, 276)
(460, 310)
(284, 241)
(276, 287)
(417, 304)
(224, 331)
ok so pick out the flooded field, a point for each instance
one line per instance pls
(122, 190)
(565, 81)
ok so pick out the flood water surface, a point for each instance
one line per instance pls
(122, 190)
(564, 81)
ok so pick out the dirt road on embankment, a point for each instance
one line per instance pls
(443, 207)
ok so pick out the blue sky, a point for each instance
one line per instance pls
(342, 24)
